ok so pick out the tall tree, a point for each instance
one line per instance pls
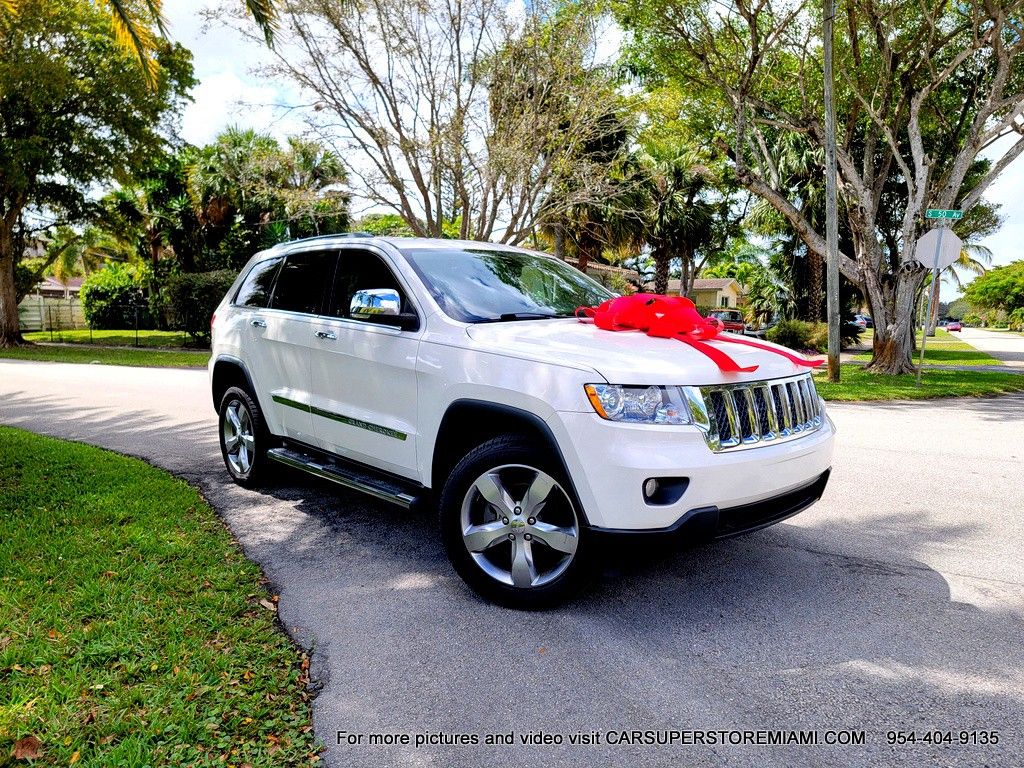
(445, 111)
(75, 110)
(925, 88)
(688, 218)
(138, 26)
(246, 189)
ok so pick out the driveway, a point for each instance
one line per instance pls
(896, 603)
(1002, 345)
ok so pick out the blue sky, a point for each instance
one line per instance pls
(229, 93)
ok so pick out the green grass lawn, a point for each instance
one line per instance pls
(114, 338)
(84, 353)
(131, 627)
(942, 349)
(857, 384)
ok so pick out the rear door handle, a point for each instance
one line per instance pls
(258, 323)
(325, 335)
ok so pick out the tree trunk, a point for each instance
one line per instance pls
(892, 309)
(10, 331)
(689, 272)
(816, 289)
(661, 262)
(559, 228)
(933, 320)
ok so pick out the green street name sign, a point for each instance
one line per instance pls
(939, 213)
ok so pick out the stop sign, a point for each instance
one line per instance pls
(938, 248)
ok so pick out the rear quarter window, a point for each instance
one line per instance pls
(258, 284)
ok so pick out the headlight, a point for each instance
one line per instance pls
(639, 405)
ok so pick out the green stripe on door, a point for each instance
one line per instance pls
(370, 427)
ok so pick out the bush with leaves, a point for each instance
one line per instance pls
(190, 298)
(795, 334)
(999, 288)
(798, 334)
(1015, 320)
(114, 297)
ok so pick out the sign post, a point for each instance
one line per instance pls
(946, 250)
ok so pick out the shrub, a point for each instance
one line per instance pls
(819, 337)
(113, 298)
(191, 297)
(972, 318)
(1016, 319)
(795, 334)
(849, 335)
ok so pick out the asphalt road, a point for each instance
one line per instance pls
(896, 603)
(1002, 345)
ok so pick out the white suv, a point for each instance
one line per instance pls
(456, 372)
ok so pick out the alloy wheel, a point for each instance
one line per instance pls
(519, 526)
(239, 440)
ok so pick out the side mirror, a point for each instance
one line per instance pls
(381, 305)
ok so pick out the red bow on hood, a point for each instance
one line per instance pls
(675, 317)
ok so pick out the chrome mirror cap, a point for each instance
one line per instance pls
(374, 302)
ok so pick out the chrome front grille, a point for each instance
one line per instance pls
(756, 413)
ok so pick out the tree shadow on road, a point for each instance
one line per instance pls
(788, 627)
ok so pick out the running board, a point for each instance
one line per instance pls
(379, 487)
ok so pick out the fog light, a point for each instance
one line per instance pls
(650, 488)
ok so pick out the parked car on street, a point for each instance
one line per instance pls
(732, 319)
(863, 321)
(954, 326)
(455, 375)
(759, 329)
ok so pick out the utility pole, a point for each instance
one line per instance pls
(831, 206)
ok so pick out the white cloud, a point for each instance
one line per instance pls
(229, 92)
(226, 99)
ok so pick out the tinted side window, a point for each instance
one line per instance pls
(302, 281)
(255, 290)
(360, 271)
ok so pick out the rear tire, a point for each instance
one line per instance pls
(511, 525)
(244, 438)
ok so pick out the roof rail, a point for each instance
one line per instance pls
(324, 237)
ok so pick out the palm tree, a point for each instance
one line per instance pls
(133, 23)
(682, 218)
(313, 189)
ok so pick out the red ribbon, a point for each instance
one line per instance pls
(676, 317)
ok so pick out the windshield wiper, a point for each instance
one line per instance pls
(513, 316)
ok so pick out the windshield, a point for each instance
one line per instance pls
(487, 285)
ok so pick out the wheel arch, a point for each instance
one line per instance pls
(230, 372)
(468, 423)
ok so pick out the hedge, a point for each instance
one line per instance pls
(113, 298)
(190, 299)
(801, 335)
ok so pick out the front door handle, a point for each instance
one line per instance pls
(325, 335)
(258, 323)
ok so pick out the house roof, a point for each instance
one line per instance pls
(705, 284)
(50, 283)
(629, 274)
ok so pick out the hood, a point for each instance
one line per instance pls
(626, 357)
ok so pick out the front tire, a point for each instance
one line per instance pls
(511, 526)
(243, 438)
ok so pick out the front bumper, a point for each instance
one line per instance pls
(609, 463)
(714, 523)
